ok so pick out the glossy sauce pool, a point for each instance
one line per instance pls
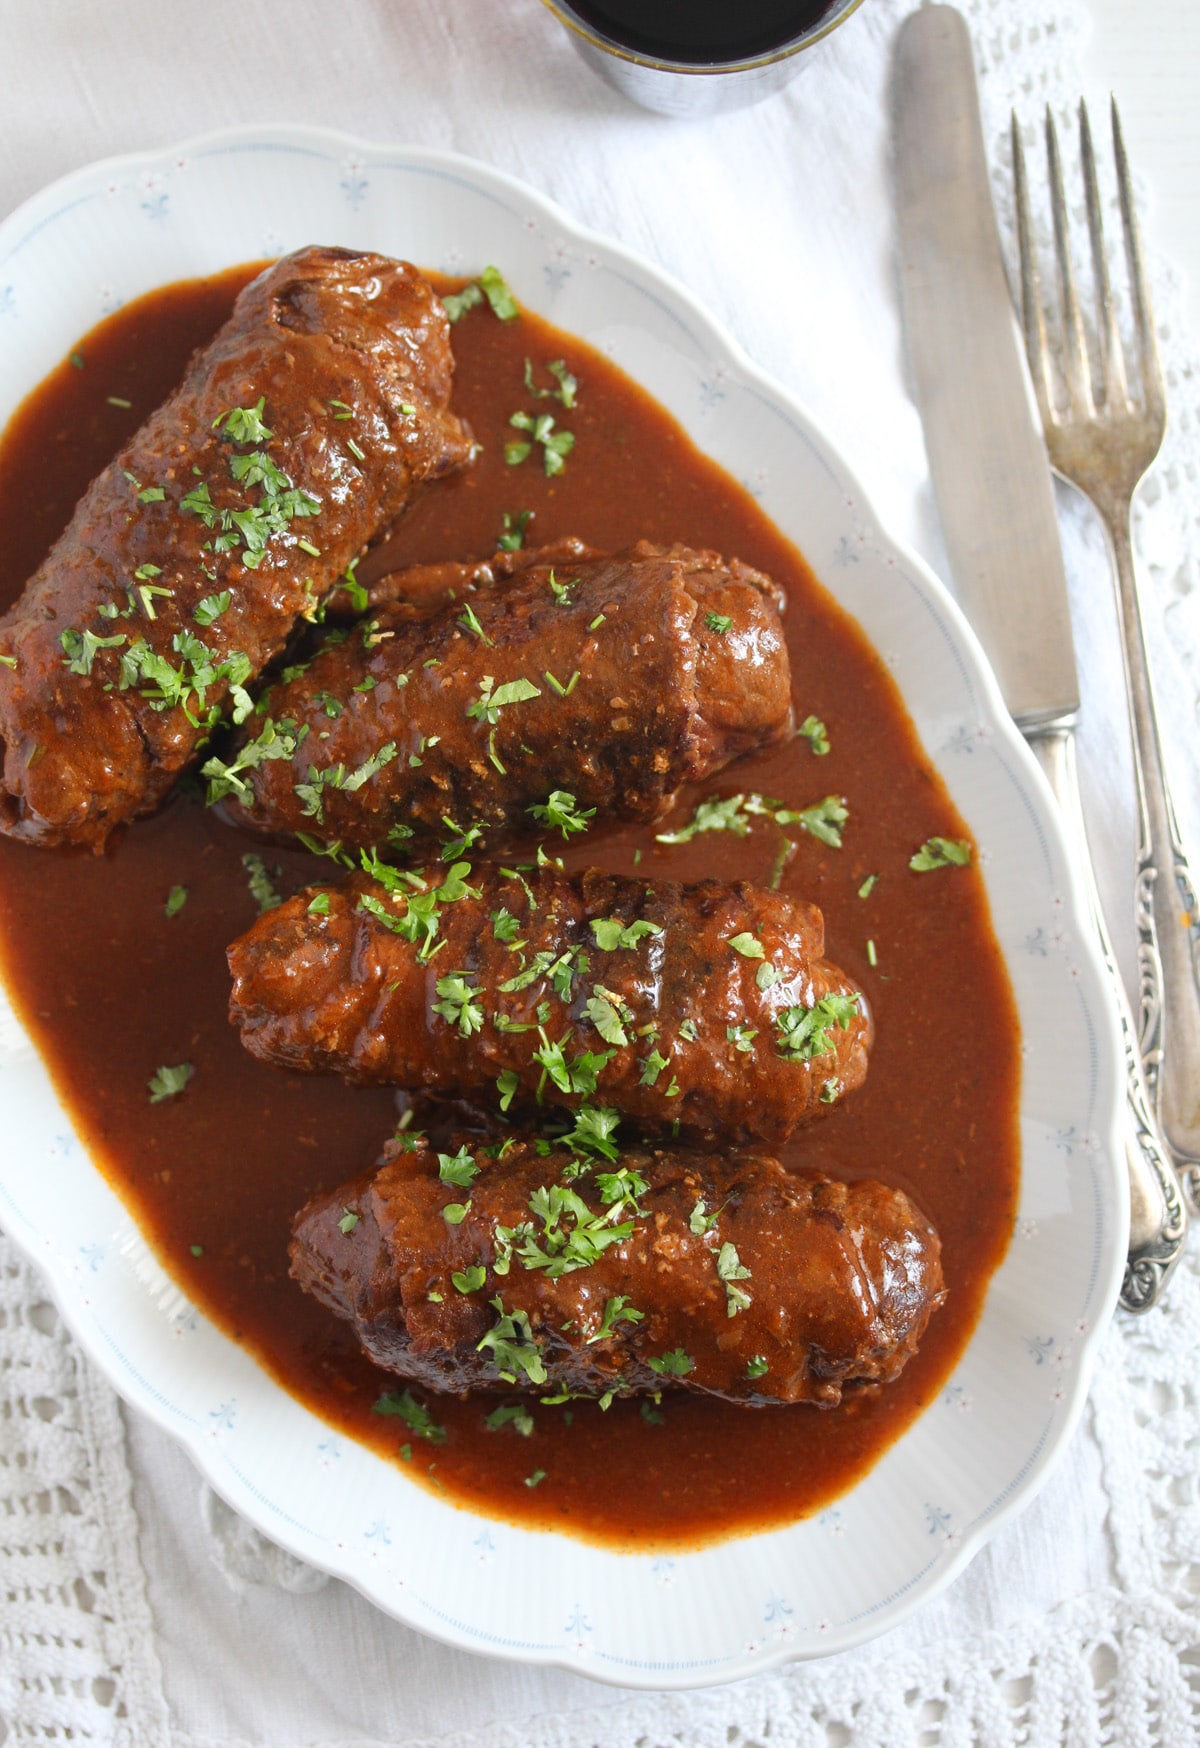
(112, 987)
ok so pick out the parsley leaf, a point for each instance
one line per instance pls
(167, 1082)
(676, 1364)
(616, 1310)
(718, 622)
(568, 386)
(513, 1346)
(605, 1017)
(414, 1414)
(748, 945)
(514, 1414)
(176, 899)
(824, 820)
(469, 1280)
(804, 1032)
(730, 1269)
(515, 524)
(611, 934)
(941, 853)
(813, 731)
(488, 705)
(261, 888)
(559, 810)
(458, 1168)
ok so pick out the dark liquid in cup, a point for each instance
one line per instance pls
(702, 31)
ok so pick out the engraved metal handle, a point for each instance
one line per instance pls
(1158, 1216)
(1168, 918)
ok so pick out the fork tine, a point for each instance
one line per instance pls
(1074, 350)
(1153, 389)
(1033, 319)
(1112, 356)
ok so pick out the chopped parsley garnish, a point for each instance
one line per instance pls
(616, 1310)
(244, 424)
(620, 1189)
(804, 1032)
(556, 445)
(119, 401)
(514, 1414)
(718, 622)
(559, 810)
(824, 820)
(813, 731)
(701, 1222)
(505, 926)
(337, 777)
(556, 685)
(458, 1168)
(595, 1127)
(767, 975)
(414, 1414)
(712, 815)
(469, 1280)
(941, 853)
(731, 1270)
(490, 285)
(458, 1003)
(830, 1092)
(211, 607)
(571, 1236)
(507, 1085)
(868, 886)
(676, 1364)
(513, 1347)
(515, 524)
(454, 1213)
(176, 899)
(469, 620)
(612, 934)
(568, 386)
(602, 1010)
(274, 740)
(748, 945)
(756, 1366)
(348, 1221)
(872, 955)
(490, 703)
(536, 1479)
(742, 1038)
(652, 1067)
(81, 648)
(167, 1082)
(262, 889)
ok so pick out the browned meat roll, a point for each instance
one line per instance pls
(613, 679)
(661, 1269)
(710, 1004)
(298, 433)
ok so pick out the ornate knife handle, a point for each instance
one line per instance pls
(1168, 916)
(1158, 1216)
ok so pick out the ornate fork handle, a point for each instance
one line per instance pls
(1168, 917)
(1158, 1219)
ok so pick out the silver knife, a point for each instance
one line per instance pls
(996, 505)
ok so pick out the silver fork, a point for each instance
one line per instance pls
(1102, 438)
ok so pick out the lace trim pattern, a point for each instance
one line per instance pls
(1120, 1665)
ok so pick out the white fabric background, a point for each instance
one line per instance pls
(133, 1610)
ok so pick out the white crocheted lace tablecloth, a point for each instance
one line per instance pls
(134, 1608)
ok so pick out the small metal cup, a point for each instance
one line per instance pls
(688, 88)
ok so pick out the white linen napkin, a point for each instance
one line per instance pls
(134, 1609)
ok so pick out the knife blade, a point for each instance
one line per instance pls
(995, 501)
(991, 478)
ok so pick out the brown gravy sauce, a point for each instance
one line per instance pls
(112, 988)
